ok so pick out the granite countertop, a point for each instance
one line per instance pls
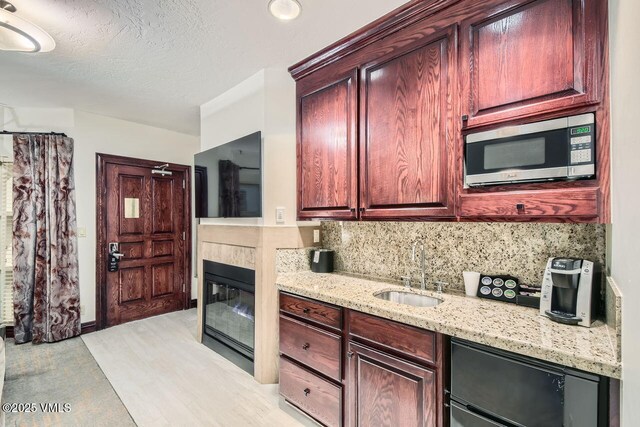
(501, 325)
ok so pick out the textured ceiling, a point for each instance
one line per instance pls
(157, 61)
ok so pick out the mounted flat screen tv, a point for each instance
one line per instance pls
(228, 179)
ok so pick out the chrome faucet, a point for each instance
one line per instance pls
(440, 286)
(423, 282)
(406, 281)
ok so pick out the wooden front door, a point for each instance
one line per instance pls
(146, 214)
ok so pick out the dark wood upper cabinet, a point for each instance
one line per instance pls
(382, 114)
(327, 156)
(521, 58)
(406, 127)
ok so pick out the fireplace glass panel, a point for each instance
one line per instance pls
(231, 311)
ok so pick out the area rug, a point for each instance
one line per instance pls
(58, 384)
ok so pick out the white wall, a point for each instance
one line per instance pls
(264, 102)
(279, 145)
(98, 134)
(625, 235)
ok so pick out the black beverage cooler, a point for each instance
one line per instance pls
(494, 388)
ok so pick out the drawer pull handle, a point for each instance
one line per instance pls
(307, 392)
(350, 354)
(306, 346)
(306, 310)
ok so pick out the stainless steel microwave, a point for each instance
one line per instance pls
(558, 149)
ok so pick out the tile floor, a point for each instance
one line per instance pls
(165, 377)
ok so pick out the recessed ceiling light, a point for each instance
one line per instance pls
(20, 35)
(285, 10)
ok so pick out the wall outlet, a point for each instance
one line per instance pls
(279, 215)
(316, 236)
(82, 231)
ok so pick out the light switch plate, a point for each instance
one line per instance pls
(279, 215)
(82, 232)
(316, 236)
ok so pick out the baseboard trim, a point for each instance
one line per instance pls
(85, 328)
(194, 303)
(88, 327)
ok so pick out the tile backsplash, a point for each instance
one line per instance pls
(383, 249)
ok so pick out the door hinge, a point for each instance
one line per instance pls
(184, 236)
(184, 287)
(184, 184)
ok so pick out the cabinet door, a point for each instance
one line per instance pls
(523, 57)
(387, 391)
(406, 127)
(327, 156)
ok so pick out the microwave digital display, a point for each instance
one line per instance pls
(581, 130)
(514, 154)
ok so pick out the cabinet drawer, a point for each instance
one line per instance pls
(311, 346)
(567, 203)
(311, 310)
(406, 340)
(318, 397)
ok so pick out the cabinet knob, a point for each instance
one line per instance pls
(350, 354)
(352, 209)
(306, 346)
(520, 207)
(306, 310)
(307, 392)
(465, 118)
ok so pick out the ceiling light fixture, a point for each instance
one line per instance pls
(285, 10)
(20, 35)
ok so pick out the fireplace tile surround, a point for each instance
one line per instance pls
(252, 247)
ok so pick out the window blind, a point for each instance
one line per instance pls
(6, 260)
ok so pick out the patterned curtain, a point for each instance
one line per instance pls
(46, 293)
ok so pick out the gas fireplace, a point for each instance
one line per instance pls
(229, 312)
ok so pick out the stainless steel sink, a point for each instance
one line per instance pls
(408, 298)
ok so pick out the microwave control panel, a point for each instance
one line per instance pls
(581, 147)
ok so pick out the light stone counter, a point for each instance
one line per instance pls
(501, 325)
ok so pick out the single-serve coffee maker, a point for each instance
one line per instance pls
(570, 291)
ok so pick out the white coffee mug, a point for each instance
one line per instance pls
(471, 280)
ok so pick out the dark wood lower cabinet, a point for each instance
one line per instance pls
(385, 390)
(313, 347)
(377, 372)
(314, 395)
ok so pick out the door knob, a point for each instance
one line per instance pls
(306, 346)
(307, 392)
